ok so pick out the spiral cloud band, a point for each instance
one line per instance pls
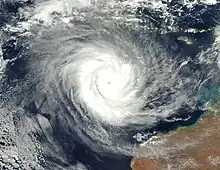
(106, 82)
(88, 83)
(109, 80)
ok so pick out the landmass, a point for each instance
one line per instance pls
(198, 146)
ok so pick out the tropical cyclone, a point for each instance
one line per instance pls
(109, 78)
(89, 75)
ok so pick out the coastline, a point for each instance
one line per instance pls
(201, 150)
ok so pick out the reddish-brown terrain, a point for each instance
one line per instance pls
(202, 153)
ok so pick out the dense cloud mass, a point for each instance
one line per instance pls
(84, 77)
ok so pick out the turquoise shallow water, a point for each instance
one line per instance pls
(207, 94)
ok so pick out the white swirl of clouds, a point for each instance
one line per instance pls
(109, 80)
(101, 77)
(106, 83)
